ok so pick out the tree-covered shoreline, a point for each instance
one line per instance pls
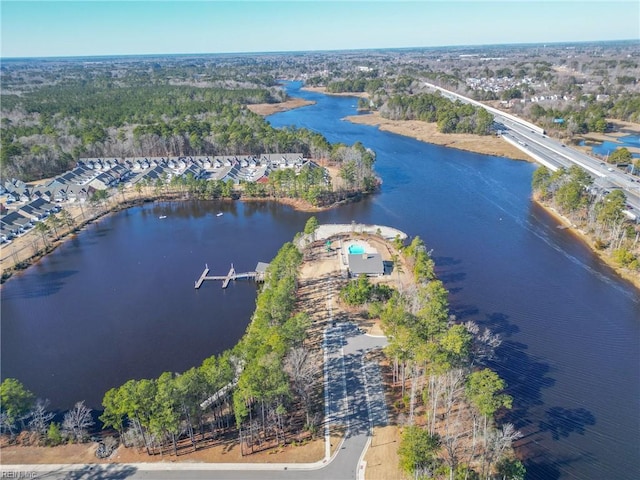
(446, 396)
(266, 391)
(596, 211)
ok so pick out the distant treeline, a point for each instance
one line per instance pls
(355, 85)
(118, 106)
(46, 129)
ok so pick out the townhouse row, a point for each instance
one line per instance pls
(91, 174)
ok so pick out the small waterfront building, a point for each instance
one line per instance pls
(369, 264)
(261, 270)
(362, 259)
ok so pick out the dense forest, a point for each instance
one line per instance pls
(46, 130)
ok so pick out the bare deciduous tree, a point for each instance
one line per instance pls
(453, 431)
(498, 442)
(7, 424)
(301, 366)
(40, 418)
(77, 422)
(485, 342)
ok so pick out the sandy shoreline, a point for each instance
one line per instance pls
(338, 94)
(266, 109)
(582, 236)
(428, 132)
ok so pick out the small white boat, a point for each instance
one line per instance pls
(219, 214)
(162, 216)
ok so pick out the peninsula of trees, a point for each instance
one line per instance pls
(266, 392)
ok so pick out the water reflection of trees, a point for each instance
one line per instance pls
(562, 422)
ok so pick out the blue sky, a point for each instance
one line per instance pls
(70, 28)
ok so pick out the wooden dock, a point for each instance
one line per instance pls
(231, 275)
(203, 276)
(227, 279)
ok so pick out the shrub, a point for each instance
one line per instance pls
(623, 257)
(54, 436)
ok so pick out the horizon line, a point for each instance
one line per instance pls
(281, 52)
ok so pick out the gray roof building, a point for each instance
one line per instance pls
(369, 264)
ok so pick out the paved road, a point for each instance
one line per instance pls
(553, 150)
(355, 400)
(558, 153)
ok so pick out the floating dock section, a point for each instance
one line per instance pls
(203, 276)
(257, 275)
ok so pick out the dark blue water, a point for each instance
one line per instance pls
(119, 302)
(571, 327)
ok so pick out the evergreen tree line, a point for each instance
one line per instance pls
(599, 213)
(311, 184)
(245, 390)
(117, 106)
(451, 117)
(447, 398)
(355, 85)
(260, 390)
(229, 130)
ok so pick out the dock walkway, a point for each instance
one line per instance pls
(231, 275)
(203, 276)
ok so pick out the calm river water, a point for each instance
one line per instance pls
(118, 301)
